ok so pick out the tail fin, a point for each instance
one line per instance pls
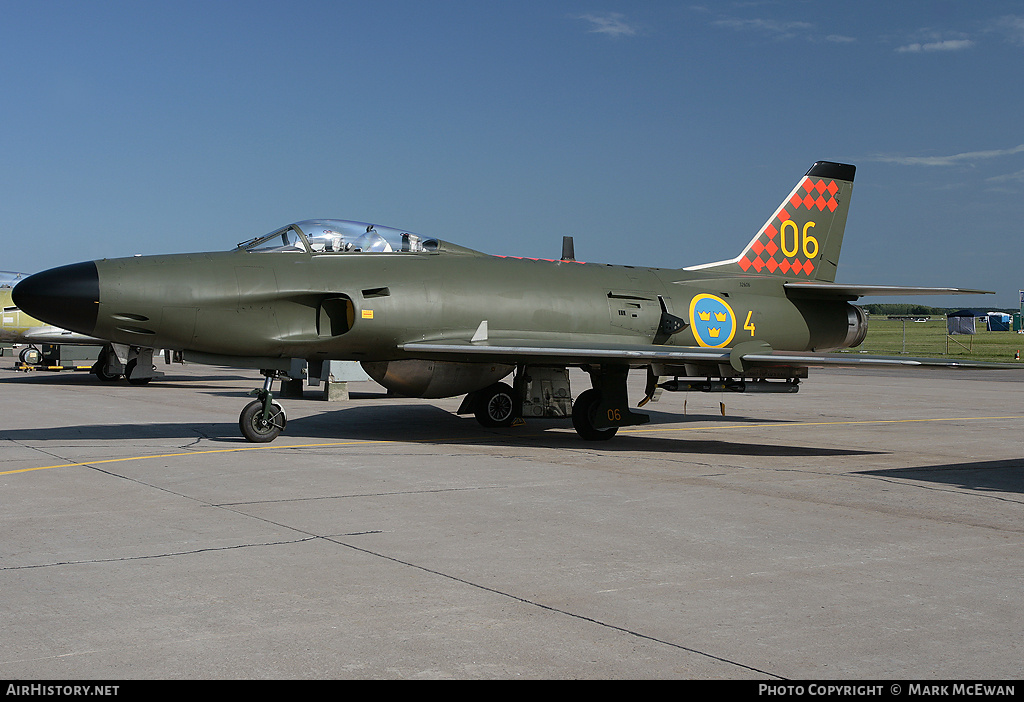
(802, 239)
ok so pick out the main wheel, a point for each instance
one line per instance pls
(103, 375)
(129, 369)
(254, 429)
(583, 417)
(99, 369)
(30, 356)
(495, 406)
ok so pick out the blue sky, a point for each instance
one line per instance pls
(656, 133)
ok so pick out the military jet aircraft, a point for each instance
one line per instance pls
(428, 318)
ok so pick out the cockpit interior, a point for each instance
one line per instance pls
(321, 236)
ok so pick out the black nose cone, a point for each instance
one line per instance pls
(65, 297)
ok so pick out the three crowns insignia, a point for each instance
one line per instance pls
(719, 317)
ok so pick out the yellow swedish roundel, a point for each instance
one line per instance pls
(712, 321)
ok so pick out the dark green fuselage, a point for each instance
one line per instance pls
(363, 306)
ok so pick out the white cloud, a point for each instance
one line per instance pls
(612, 24)
(773, 28)
(968, 158)
(947, 45)
(1018, 176)
(780, 30)
(1012, 26)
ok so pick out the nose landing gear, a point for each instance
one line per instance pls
(263, 419)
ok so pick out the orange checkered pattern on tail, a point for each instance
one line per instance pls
(766, 252)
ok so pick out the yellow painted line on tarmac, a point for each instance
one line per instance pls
(655, 429)
(192, 453)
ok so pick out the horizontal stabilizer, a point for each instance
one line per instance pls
(783, 358)
(820, 290)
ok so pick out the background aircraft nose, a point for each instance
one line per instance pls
(65, 297)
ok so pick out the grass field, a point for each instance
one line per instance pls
(887, 337)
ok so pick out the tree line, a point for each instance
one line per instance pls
(895, 308)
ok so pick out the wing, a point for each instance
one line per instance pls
(534, 351)
(55, 335)
(741, 357)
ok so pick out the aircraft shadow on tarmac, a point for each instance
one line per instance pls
(1006, 475)
(81, 377)
(428, 424)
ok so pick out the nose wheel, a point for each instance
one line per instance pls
(263, 419)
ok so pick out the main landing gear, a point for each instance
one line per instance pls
(585, 412)
(495, 406)
(263, 419)
(134, 363)
(596, 414)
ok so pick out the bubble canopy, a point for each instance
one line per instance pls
(8, 279)
(338, 236)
